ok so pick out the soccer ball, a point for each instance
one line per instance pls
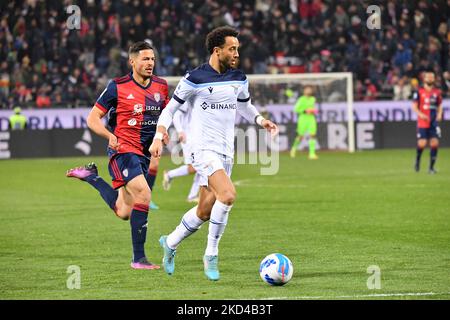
(276, 269)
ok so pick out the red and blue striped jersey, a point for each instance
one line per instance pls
(133, 111)
(428, 103)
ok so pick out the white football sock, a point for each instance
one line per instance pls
(217, 224)
(188, 225)
(195, 187)
(178, 172)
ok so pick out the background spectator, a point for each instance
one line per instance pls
(43, 60)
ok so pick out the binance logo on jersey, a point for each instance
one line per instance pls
(222, 106)
(218, 106)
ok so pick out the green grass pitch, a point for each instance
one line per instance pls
(333, 218)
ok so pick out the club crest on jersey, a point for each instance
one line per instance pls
(157, 96)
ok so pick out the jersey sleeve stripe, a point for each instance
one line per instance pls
(177, 99)
(213, 84)
(189, 83)
(243, 100)
(98, 105)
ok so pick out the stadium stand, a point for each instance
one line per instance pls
(45, 64)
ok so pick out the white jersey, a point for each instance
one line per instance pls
(213, 98)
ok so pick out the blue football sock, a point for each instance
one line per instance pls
(138, 223)
(433, 157)
(418, 154)
(106, 191)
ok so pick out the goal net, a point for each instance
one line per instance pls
(275, 97)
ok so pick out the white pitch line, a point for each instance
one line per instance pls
(250, 183)
(240, 182)
(375, 295)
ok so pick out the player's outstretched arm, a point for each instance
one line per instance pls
(95, 123)
(270, 126)
(249, 112)
(164, 122)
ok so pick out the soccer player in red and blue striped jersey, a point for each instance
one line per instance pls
(132, 104)
(428, 106)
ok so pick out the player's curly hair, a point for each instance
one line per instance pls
(216, 38)
(138, 46)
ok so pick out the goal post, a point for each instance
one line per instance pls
(277, 94)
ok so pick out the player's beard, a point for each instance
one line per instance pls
(145, 76)
(227, 64)
(236, 64)
(144, 73)
(429, 83)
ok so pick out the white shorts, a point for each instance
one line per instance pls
(187, 153)
(206, 162)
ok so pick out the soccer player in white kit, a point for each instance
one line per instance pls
(216, 90)
(182, 124)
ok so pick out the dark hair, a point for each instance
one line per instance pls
(216, 38)
(138, 46)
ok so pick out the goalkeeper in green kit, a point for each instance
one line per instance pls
(306, 110)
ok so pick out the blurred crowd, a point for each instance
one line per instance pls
(48, 59)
